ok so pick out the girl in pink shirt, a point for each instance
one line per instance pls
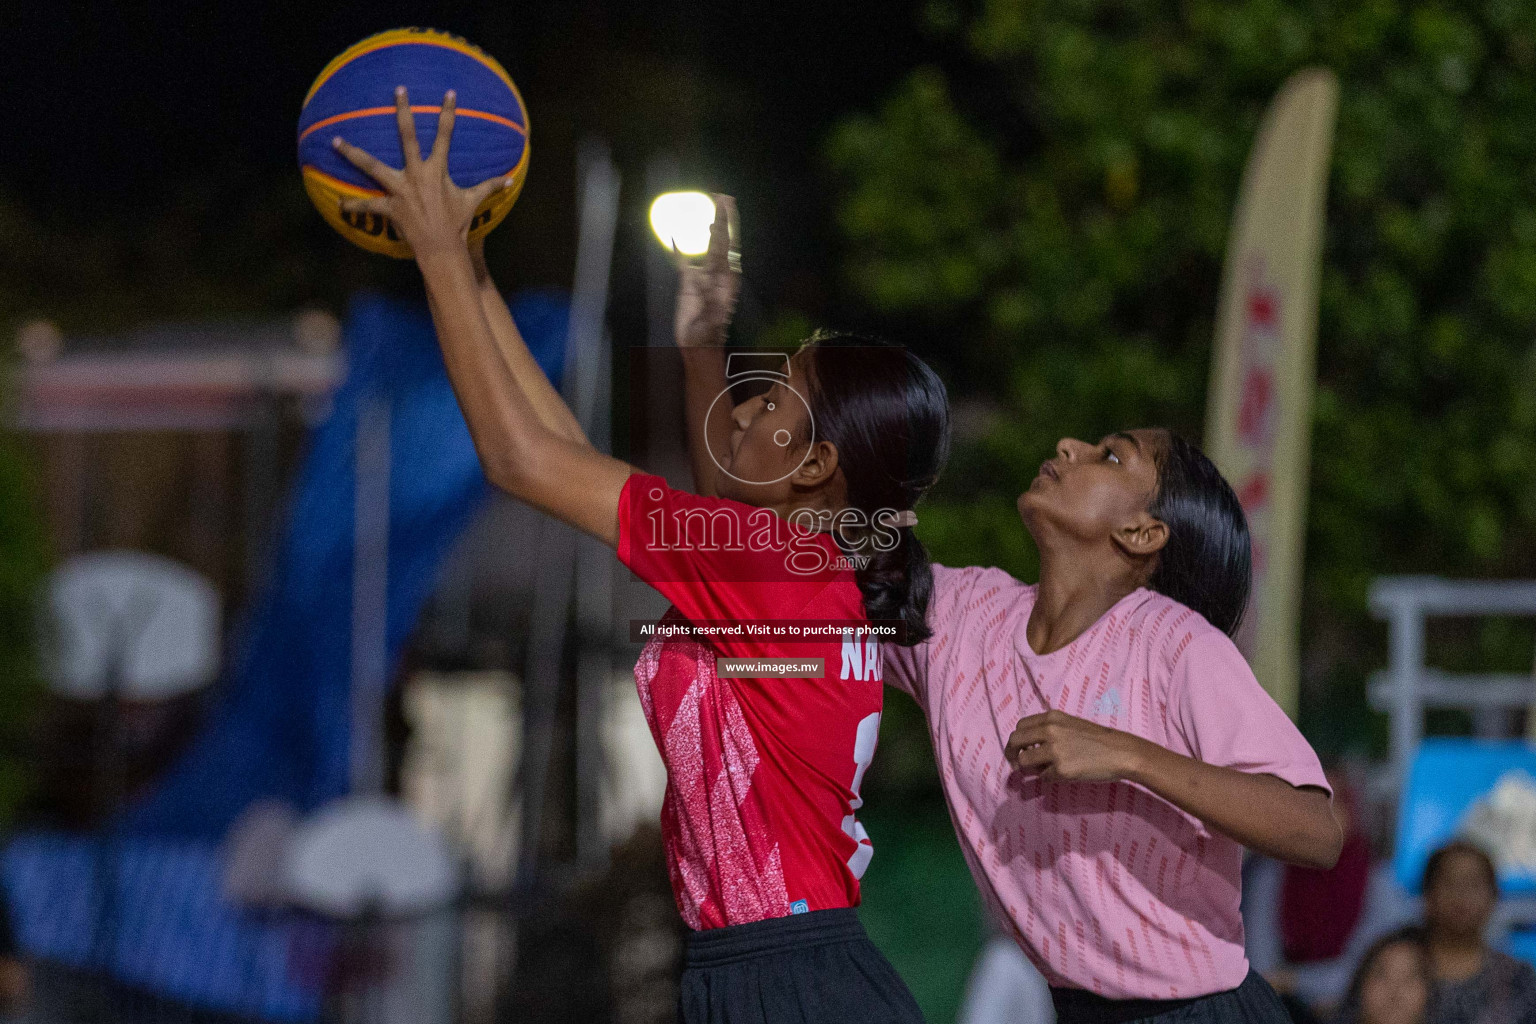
(1105, 751)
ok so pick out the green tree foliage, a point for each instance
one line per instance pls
(1054, 207)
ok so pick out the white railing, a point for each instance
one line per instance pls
(1408, 686)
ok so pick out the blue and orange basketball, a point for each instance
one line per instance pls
(354, 97)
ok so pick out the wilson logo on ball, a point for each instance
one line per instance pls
(373, 225)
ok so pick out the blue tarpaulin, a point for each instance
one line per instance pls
(172, 932)
(1448, 778)
(281, 731)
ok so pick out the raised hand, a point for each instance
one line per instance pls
(426, 207)
(707, 291)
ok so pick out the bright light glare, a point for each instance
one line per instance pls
(683, 218)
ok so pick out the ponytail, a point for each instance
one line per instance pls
(897, 584)
(887, 413)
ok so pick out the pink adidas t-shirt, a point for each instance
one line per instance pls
(1107, 887)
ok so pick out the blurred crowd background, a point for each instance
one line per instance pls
(1036, 197)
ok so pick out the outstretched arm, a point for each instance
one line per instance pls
(519, 451)
(706, 301)
(552, 410)
(1263, 812)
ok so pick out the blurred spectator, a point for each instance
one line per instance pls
(1307, 930)
(1391, 985)
(1320, 909)
(1474, 983)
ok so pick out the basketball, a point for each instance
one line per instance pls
(354, 97)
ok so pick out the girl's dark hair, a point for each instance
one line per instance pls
(1207, 562)
(887, 413)
(1455, 847)
(1412, 935)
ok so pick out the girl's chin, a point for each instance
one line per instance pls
(1029, 508)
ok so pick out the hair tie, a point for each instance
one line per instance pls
(905, 517)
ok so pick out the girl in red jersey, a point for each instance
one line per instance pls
(763, 761)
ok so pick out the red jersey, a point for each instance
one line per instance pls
(762, 773)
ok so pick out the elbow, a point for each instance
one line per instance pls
(517, 472)
(504, 471)
(500, 476)
(510, 476)
(1316, 836)
(1320, 857)
(1335, 847)
(510, 458)
(1321, 850)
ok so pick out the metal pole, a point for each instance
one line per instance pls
(1407, 661)
(588, 386)
(561, 562)
(370, 592)
(261, 471)
(665, 453)
(541, 686)
(127, 623)
(662, 174)
(109, 793)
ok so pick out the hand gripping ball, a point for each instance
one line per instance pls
(354, 97)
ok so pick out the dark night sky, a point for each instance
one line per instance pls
(118, 108)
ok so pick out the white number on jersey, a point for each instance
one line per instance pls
(863, 754)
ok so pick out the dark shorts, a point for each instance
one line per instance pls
(816, 968)
(1252, 1002)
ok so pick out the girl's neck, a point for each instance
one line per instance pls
(1067, 603)
(1456, 958)
(816, 517)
